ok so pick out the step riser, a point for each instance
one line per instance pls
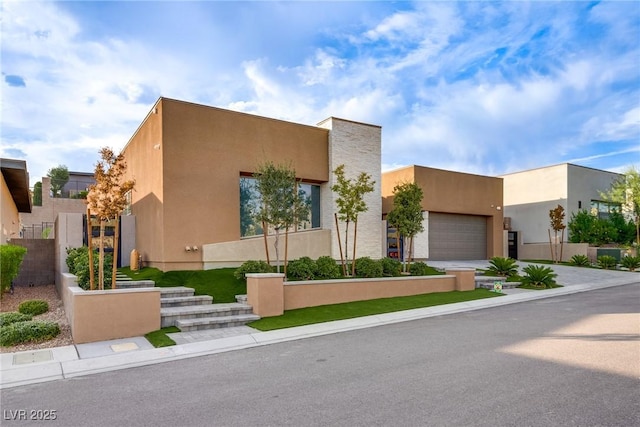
(172, 319)
(215, 323)
(185, 301)
(213, 326)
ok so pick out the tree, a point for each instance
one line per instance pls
(406, 215)
(350, 203)
(37, 194)
(626, 191)
(59, 177)
(556, 217)
(280, 206)
(106, 200)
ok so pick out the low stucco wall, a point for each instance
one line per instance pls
(110, 314)
(311, 243)
(542, 251)
(269, 295)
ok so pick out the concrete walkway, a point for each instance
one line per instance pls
(83, 359)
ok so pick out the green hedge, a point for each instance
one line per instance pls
(13, 317)
(78, 264)
(11, 257)
(33, 307)
(31, 330)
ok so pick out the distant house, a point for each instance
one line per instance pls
(40, 222)
(15, 198)
(530, 195)
(463, 216)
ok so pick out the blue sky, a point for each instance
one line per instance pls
(479, 87)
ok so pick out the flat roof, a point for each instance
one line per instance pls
(17, 178)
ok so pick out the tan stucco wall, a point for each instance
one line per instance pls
(190, 194)
(455, 193)
(110, 314)
(269, 295)
(542, 251)
(10, 216)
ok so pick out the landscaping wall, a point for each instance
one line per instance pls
(542, 251)
(269, 295)
(110, 314)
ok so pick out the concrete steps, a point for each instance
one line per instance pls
(134, 284)
(189, 312)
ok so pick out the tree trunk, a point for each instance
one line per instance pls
(275, 244)
(92, 279)
(344, 266)
(346, 241)
(561, 244)
(286, 250)
(410, 249)
(114, 268)
(355, 235)
(101, 257)
(550, 245)
(266, 246)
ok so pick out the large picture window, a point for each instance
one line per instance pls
(603, 209)
(250, 204)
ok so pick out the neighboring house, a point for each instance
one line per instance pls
(15, 198)
(193, 167)
(40, 222)
(463, 216)
(530, 195)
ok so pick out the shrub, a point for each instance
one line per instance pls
(538, 276)
(503, 266)
(33, 307)
(301, 269)
(391, 267)
(13, 317)
(419, 269)
(631, 262)
(10, 260)
(31, 330)
(252, 267)
(366, 267)
(607, 262)
(580, 261)
(327, 268)
(78, 263)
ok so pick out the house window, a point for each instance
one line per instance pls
(603, 209)
(250, 204)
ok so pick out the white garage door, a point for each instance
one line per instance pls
(457, 237)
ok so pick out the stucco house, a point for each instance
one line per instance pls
(463, 216)
(192, 164)
(15, 197)
(530, 195)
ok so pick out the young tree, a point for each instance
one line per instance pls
(280, 206)
(59, 177)
(106, 200)
(626, 191)
(556, 216)
(406, 215)
(350, 203)
(37, 194)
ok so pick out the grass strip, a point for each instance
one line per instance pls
(159, 338)
(327, 313)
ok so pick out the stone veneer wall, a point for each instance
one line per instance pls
(38, 265)
(358, 146)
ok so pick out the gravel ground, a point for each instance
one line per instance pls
(10, 302)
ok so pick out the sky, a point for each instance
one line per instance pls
(479, 87)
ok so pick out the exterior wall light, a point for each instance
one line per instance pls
(187, 248)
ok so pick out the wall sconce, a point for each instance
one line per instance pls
(195, 249)
(499, 208)
(187, 248)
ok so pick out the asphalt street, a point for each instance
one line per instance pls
(569, 360)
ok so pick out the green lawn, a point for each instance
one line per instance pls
(327, 313)
(219, 283)
(159, 338)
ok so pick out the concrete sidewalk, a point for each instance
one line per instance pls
(31, 367)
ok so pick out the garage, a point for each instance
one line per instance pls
(457, 237)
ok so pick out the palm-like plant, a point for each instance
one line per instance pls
(538, 276)
(607, 262)
(503, 266)
(579, 260)
(631, 262)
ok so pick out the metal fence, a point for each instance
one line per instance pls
(45, 230)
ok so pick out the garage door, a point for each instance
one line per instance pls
(457, 237)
